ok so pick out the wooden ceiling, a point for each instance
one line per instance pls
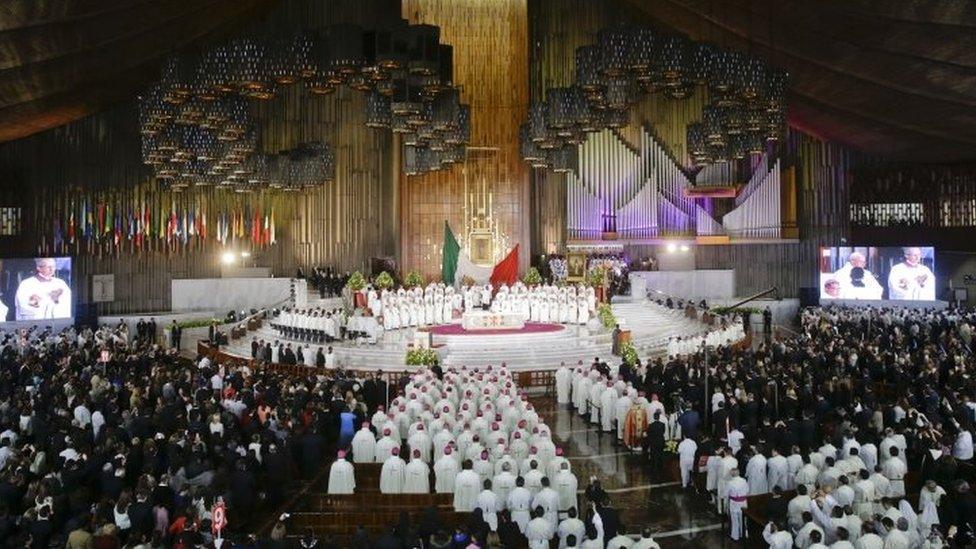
(895, 79)
(63, 59)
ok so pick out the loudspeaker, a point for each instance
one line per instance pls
(809, 297)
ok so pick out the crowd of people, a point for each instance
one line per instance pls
(859, 427)
(106, 442)
(488, 447)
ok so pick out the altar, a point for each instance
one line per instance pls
(487, 320)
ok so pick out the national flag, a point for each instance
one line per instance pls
(449, 257)
(506, 271)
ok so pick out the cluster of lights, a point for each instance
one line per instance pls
(196, 122)
(674, 248)
(746, 97)
(230, 257)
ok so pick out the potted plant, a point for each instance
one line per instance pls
(421, 357)
(605, 314)
(532, 277)
(413, 279)
(355, 284)
(384, 281)
(629, 354)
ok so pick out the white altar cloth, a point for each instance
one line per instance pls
(486, 320)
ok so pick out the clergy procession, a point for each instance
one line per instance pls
(484, 443)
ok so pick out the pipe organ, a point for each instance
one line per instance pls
(757, 207)
(637, 193)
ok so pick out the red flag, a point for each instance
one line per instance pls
(506, 271)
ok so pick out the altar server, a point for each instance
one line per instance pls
(737, 489)
(487, 501)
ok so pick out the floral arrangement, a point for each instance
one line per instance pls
(384, 281)
(605, 314)
(629, 354)
(595, 276)
(356, 282)
(413, 279)
(532, 277)
(558, 268)
(671, 446)
(466, 280)
(422, 357)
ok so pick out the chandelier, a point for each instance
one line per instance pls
(745, 106)
(197, 127)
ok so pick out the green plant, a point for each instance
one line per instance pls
(595, 276)
(356, 282)
(384, 281)
(413, 279)
(422, 357)
(605, 313)
(629, 354)
(532, 277)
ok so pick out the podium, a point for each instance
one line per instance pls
(621, 337)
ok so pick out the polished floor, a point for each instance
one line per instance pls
(644, 498)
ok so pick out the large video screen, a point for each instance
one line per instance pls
(890, 273)
(35, 289)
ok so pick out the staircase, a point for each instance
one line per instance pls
(651, 325)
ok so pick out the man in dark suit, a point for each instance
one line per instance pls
(611, 521)
(254, 347)
(654, 442)
(140, 515)
(689, 420)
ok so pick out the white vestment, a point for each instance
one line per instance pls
(467, 486)
(38, 299)
(342, 479)
(445, 471)
(416, 477)
(363, 446)
(391, 476)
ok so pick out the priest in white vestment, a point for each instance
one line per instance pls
(364, 445)
(416, 479)
(342, 479)
(445, 471)
(467, 486)
(392, 474)
(487, 501)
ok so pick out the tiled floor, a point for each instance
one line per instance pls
(644, 498)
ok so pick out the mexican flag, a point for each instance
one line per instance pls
(455, 264)
(449, 261)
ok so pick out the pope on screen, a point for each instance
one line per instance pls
(43, 295)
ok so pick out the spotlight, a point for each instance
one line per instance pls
(672, 248)
(684, 247)
(227, 258)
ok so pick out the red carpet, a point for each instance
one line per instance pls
(529, 328)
